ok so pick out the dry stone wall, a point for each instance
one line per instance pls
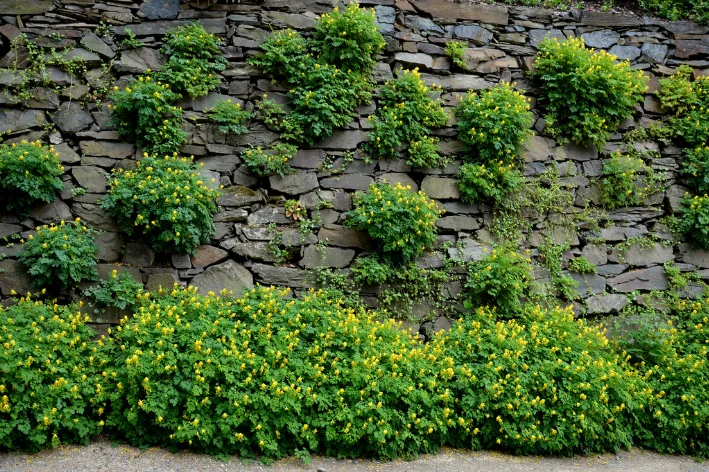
(501, 47)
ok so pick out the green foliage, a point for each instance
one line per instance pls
(348, 39)
(693, 219)
(406, 113)
(494, 123)
(48, 377)
(696, 168)
(402, 223)
(230, 117)
(454, 50)
(143, 113)
(544, 384)
(130, 42)
(626, 181)
(284, 57)
(489, 184)
(500, 280)
(587, 93)
(165, 201)
(689, 101)
(189, 77)
(581, 265)
(273, 162)
(266, 374)
(61, 255)
(118, 291)
(694, 10)
(424, 153)
(551, 255)
(29, 173)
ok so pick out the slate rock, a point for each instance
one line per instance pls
(468, 250)
(13, 276)
(18, 120)
(160, 27)
(110, 245)
(625, 52)
(181, 261)
(653, 278)
(475, 34)
(283, 276)
(268, 215)
(457, 82)
(399, 178)
(228, 275)
(414, 59)
(25, 7)
(440, 188)
(94, 216)
(420, 23)
(538, 148)
(53, 212)
(605, 303)
(314, 256)
(8, 229)
(294, 184)
(654, 53)
(698, 257)
(138, 60)
(81, 54)
(238, 196)
(93, 43)
(588, 284)
(10, 77)
(636, 255)
(343, 140)
(112, 149)
(210, 100)
(481, 12)
(458, 223)
(91, 178)
(160, 9)
(139, 255)
(602, 39)
(536, 36)
(72, 117)
(254, 250)
(208, 255)
(341, 236)
(165, 280)
(348, 182)
(289, 20)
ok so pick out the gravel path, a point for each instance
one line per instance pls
(104, 456)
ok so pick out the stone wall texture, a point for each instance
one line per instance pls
(501, 47)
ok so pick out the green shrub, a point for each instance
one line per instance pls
(479, 183)
(48, 377)
(266, 374)
(230, 117)
(494, 123)
(581, 265)
(348, 39)
(273, 162)
(29, 173)
(544, 384)
(188, 77)
(143, 113)
(164, 200)
(285, 56)
(688, 101)
(500, 280)
(118, 291)
(626, 181)
(587, 94)
(693, 219)
(61, 255)
(696, 168)
(406, 113)
(401, 223)
(695, 10)
(454, 50)
(424, 153)
(275, 117)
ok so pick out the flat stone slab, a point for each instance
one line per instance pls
(653, 278)
(443, 10)
(229, 275)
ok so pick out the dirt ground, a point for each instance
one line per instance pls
(104, 456)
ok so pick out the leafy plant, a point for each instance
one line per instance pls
(230, 117)
(273, 162)
(500, 280)
(189, 77)
(694, 10)
(581, 265)
(688, 100)
(490, 184)
(348, 39)
(693, 219)
(118, 291)
(49, 375)
(130, 42)
(696, 168)
(494, 123)
(551, 255)
(285, 56)
(587, 93)
(29, 173)
(143, 113)
(626, 181)
(406, 114)
(164, 200)
(402, 223)
(454, 50)
(61, 255)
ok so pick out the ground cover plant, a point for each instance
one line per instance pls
(688, 101)
(269, 162)
(626, 181)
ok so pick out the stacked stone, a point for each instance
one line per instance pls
(500, 46)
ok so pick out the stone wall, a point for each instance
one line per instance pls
(501, 42)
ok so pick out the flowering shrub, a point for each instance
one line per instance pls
(689, 102)
(230, 117)
(143, 113)
(348, 39)
(489, 184)
(694, 10)
(268, 375)
(406, 114)
(29, 173)
(544, 384)
(285, 53)
(581, 265)
(273, 162)
(62, 255)
(48, 377)
(424, 153)
(195, 58)
(626, 181)
(696, 168)
(693, 219)
(494, 123)
(500, 280)
(165, 200)
(454, 50)
(119, 290)
(402, 223)
(587, 93)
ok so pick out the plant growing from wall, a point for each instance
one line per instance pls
(688, 100)
(166, 201)
(29, 174)
(586, 93)
(696, 168)
(49, 375)
(551, 255)
(694, 10)
(271, 162)
(581, 265)
(454, 50)
(626, 181)
(406, 114)
(479, 183)
(62, 255)
(143, 113)
(693, 219)
(119, 291)
(402, 223)
(230, 117)
(494, 123)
